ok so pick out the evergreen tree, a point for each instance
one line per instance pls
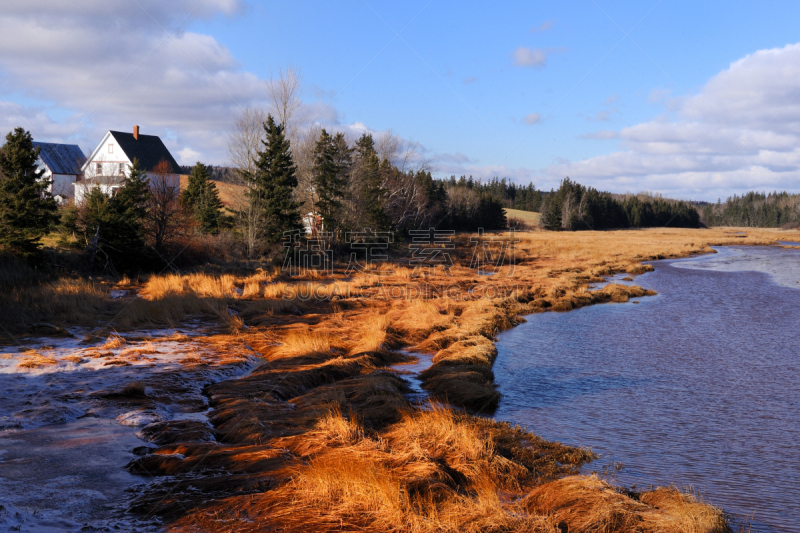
(129, 208)
(332, 160)
(372, 193)
(551, 212)
(202, 199)
(273, 185)
(756, 210)
(27, 210)
(118, 222)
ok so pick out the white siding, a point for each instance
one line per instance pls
(82, 190)
(108, 162)
(61, 184)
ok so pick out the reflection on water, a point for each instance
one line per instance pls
(783, 266)
(697, 386)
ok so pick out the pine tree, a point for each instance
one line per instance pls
(118, 222)
(27, 210)
(371, 191)
(202, 199)
(273, 185)
(332, 160)
(129, 208)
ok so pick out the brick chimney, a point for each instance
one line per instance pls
(136, 132)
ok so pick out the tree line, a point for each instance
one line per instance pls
(575, 207)
(147, 222)
(754, 209)
(350, 187)
(511, 195)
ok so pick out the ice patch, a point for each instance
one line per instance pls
(751, 259)
(69, 413)
(117, 294)
(142, 417)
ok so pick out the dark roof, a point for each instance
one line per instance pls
(61, 158)
(149, 150)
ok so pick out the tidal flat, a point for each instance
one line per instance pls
(314, 430)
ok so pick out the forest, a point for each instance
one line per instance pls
(757, 210)
(575, 207)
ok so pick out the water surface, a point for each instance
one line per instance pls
(696, 387)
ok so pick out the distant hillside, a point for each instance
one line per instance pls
(231, 194)
(529, 218)
(223, 174)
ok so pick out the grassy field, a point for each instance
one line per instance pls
(230, 194)
(528, 217)
(321, 437)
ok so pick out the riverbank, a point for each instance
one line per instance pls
(321, 436)
(693, 387)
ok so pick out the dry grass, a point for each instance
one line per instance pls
(431, 471)
(33, 359)
(65, 301)
(434, 471)
(529, 218)
(200, 285)
(304, 343)
(588, 504)
(320, 436)
(114, 341)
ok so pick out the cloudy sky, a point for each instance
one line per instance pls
(691, 99)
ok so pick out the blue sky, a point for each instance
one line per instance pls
(690, 99)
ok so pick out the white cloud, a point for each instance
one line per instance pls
(98, 65)
(533, 57)
(533, 118)
(740, 132)
(187, 156)
(529, 57)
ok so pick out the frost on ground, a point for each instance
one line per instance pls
(71, 410)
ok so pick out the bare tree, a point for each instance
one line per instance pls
(249, 219)
(283, 91)
(403, 154)
(303, 146)
(406, 202)
(166, 219)
(387, 146)
(244, 141)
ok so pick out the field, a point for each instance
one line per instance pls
(530, 218)
(322, 436)
(230, 194)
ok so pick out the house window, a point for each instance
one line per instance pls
(121, 169)
(98, 169)
(110, 148)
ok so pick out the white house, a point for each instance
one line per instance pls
(62, 166)
(109, 164)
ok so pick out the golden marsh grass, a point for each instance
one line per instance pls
(321, 437)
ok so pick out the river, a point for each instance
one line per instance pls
(697, 387)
